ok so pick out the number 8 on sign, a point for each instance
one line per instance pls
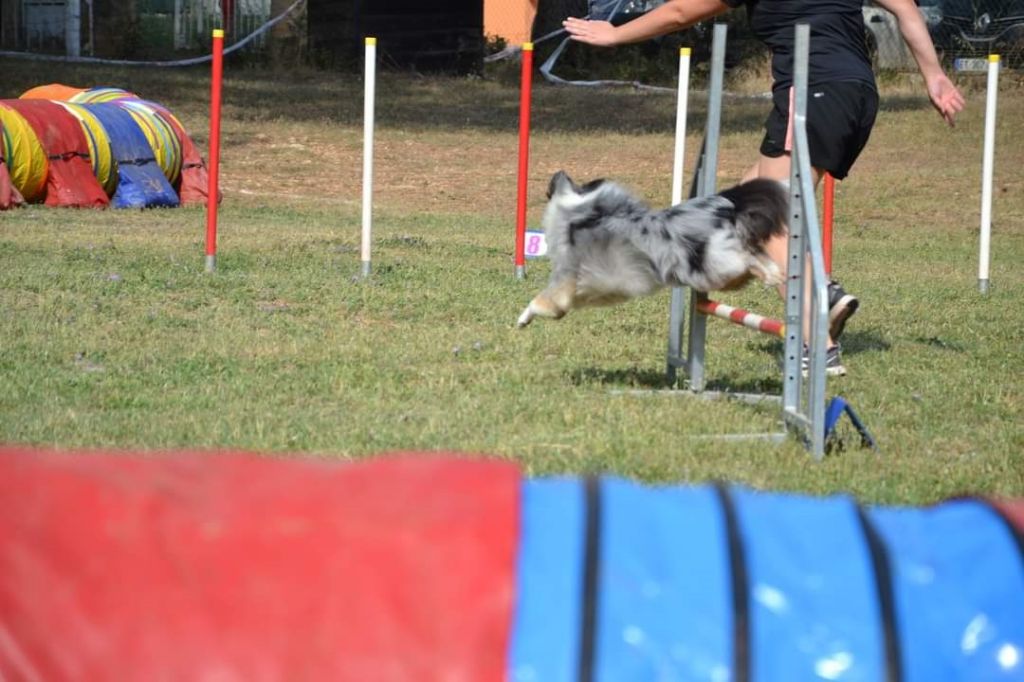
(535, 244)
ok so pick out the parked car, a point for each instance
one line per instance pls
(885, 44)
(976, 28)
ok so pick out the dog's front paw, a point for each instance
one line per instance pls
(525, 318)
(772, 274)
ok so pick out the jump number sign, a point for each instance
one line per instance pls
(536, 247)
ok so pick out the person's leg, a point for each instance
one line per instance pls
(777, 168)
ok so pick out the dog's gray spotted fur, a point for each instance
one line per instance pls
(606, 246)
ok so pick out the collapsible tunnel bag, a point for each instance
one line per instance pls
(69, 178)
(439, 567)
(116, 147)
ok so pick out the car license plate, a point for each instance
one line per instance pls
(970, 64)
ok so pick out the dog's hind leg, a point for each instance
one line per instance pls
(554, 302)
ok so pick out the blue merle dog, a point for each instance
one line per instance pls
(607, 247)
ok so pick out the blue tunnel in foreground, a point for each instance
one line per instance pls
(619, 581)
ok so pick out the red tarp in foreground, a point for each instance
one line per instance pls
(223, 567)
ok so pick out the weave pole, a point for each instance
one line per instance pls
(681, 102)
(677, 302)
(526, 84)
(828, 214)
(213, 179)
(988, 158)
(369, 93)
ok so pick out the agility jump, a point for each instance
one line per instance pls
(803, 411)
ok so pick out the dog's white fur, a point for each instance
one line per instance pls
(607, 247)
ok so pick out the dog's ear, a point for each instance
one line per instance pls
(558, 181)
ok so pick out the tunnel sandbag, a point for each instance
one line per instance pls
(99, 146)
(24, 155)
(140, 182)
(205, 566)
(69, 179)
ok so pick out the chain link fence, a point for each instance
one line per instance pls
(143, 29)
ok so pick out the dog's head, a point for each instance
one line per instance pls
(571, 204)
(561, 184)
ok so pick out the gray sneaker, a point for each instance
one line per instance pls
(833, 362)
(841, 306)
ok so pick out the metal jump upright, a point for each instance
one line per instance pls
(803, 407)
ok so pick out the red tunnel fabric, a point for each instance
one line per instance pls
(70, 181)
(1013, 510)
(194, 181)
(236, 567)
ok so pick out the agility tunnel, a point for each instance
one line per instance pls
(95, 147)
(439, 567)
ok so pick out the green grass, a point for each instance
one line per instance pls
(113, 336)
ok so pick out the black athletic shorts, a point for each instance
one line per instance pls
(839, 120)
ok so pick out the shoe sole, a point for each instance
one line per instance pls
(838, 314)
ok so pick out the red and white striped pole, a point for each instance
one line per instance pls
(213, 187)
(524, 158)
(742, 317)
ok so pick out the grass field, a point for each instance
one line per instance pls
(113, 336)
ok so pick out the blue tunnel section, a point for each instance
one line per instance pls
(959, 588)
(620, 581)
(141, 182)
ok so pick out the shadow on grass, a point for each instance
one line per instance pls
(864, 341)
(639, 378)
(630, 377)
(853, 342)
(769, 387)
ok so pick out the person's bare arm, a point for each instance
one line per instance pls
(674, 15)
(945, 96)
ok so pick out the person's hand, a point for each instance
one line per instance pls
(600, 33)
(946, 97)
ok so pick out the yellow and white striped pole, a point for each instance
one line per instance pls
(369, 94)
(988, 161)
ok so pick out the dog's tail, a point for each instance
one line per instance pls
(762, 210)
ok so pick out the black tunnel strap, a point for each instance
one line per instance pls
(64, 156)
(135, 162)
(740, 585)
(591, 574)
(882, 567)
